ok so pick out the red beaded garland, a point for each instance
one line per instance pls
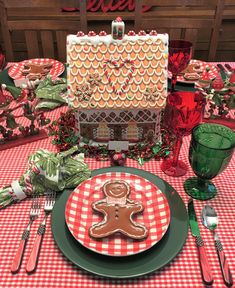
(118, 159)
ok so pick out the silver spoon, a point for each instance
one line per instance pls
(210, 221)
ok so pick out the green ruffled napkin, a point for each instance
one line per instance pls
(47, 170)
(50, 92)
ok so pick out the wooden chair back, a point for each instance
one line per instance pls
(229, 10)
(44, 24)
(182, 19)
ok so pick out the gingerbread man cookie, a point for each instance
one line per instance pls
(118, 211)
(36, 71)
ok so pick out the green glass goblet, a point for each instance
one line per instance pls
(210, 151)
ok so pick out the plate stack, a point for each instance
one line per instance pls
(119, 256)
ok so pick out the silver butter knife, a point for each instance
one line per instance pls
(204, 264)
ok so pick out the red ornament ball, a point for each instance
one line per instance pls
(118, 159)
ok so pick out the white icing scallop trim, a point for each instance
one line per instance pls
(97, 97)
(95, 40)
(141, 58)
(138, 66)
(146, 81)
(109, 89)
(73, 81)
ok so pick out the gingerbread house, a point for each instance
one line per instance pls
(118, 80)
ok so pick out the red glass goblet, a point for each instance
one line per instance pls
(180, 53)
(184, 110)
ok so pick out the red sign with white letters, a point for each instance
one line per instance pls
(113, 5)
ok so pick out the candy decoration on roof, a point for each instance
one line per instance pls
(84, 92)
(118, 28)
(131, 33)
(120, 33)
(103, 33)
(118, 19)
(153, 33)
(151, 94)
(91, 33)
(94, 79)
(114, 32)
(80, 34)
(142, 33)
(113, 63)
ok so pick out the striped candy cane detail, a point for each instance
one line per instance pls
(28, 184)
(33, 169)
(118, 66)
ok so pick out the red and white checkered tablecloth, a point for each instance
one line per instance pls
(54, 270)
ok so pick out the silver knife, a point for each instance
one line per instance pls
(204, 264)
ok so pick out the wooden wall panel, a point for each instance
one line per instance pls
(102, 21)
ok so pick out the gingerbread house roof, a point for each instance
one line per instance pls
(108, 74)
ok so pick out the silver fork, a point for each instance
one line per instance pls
(33, 258)
(33, 214)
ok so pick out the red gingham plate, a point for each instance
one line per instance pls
(15, 71)
(203, 65)
(80, 216)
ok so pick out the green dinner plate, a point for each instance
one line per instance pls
(130, 266)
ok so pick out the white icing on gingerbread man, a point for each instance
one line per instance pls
(118, 211)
